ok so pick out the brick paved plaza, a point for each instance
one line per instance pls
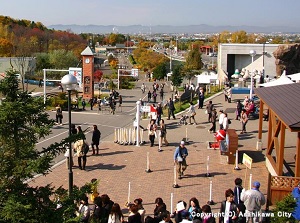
(118, 165)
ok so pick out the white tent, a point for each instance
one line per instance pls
(206, 78)
(295, 77)
(283, 79)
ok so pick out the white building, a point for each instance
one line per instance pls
(237, 56)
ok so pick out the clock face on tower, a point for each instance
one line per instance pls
(87, 60)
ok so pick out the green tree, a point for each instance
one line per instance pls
(176, 77)
(62, 59)
(23, 122)
(160, 71)
(193, 64)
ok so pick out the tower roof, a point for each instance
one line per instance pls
(87, 52)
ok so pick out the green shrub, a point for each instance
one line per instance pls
(287, 204)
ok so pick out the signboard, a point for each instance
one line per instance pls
(77, 72)
(247, 161)
(145, 109)
(134, 72)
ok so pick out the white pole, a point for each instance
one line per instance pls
(128, 199)
(159, 144)
(148, 164)
(186, 139)
(118, 79)
(175, 180)
(44, 86)
(250, 181)
(237, 160)
(129, 136)
(138, 108)
(116, 135)
(119, 135)
(210, 191)
(142, 135)
(207, 166)
(171, 207)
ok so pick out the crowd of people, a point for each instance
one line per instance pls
(239, 206)
(81, 146)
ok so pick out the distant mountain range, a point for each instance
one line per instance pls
(189, 29)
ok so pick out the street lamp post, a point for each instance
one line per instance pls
(69, 82)
(252, 54)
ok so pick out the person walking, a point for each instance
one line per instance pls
(96, 139)
(228, 208)
(192, 113)
(163, 133)
(78, 147)
(214, 116)
(59, 115)
(225, 123)
(143, 88)
(91, 102)
(244, 120)
(238, 110)
(253, 200)
(152, 132)
(171, 108)
(83, 103)
(221, 119)
(180, 155)
(149, 96)
(209, 109)
(154, 95)
(200, 99)
(161, 93)
(159, 112)
(238, 190)
(120, 101)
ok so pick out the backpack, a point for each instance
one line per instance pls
(85, 148)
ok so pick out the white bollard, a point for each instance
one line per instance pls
(137, 117)
(207, 168)
(129, 136)
(128, 199)
(115, 139)
(148, 170)
(119, 138)
(250, 181)
(210, 202)
(142, 136)
(175, 185)
(237, 160)
(171, 207)
(186, 135)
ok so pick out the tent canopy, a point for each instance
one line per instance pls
(295, 77)
(280, 81)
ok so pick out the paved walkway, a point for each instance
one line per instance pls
(117, 165)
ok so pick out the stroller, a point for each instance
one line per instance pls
(183, 120)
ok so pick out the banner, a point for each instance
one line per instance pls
(247, 160)
(77, 72)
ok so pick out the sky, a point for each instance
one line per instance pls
(262, 13)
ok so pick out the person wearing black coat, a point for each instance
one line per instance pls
(231, 214)
(96, 139)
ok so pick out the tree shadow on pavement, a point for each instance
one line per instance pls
(105, 167)
(115, 153)
(204, 175)
(257, 156)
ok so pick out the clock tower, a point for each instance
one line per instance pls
(87, 73)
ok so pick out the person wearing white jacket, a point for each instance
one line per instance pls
(253, 200)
